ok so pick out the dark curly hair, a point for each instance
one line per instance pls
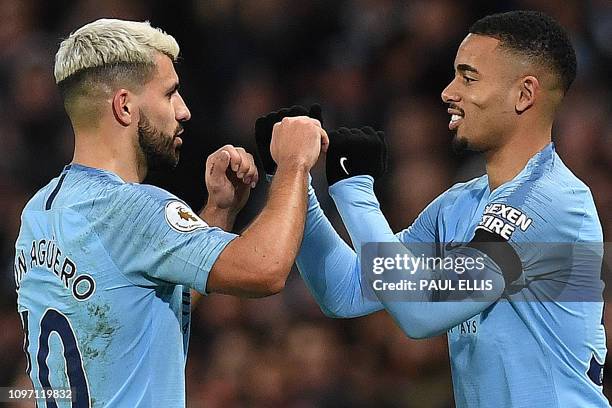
(537, 36)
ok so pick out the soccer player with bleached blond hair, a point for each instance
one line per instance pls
(104, 264)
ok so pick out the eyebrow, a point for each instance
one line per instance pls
(466, 67)
(174, 87)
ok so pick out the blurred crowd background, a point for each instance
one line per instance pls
(367, 62)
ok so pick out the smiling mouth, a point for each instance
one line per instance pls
(455, 122)
(456, 118)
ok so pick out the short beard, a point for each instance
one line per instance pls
(157, 147)
(460, 145)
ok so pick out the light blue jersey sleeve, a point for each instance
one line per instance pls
(418, 314)
(330, 267)
(161, 239)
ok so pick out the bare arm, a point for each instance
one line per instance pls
(258, 261)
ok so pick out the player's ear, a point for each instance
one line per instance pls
(123, 107)
(528, 89)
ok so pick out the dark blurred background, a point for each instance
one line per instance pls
(367, 62)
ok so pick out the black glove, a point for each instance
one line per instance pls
(354, 152)
(263, 131)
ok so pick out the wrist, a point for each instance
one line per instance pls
(363, 182)
(293, 166)
(219, 217)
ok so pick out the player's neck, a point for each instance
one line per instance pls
(506, 162)
(95, 150)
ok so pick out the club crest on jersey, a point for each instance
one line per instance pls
(180, 217)
(503, 220)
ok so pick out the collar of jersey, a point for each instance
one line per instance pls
(93, 171)
(532, 170)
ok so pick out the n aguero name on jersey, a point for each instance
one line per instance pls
(46, 254)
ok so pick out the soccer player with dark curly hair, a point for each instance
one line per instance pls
(533, 336)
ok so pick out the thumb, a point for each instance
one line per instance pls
(219, 163)
(224, 157)
(324, 141)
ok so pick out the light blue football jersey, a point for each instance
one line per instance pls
(103, 270)
(530, 349)
(535, 347)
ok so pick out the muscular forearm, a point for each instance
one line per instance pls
(276, 233)
(258, 261)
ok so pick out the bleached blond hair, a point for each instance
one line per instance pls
(111, 41)
(104, 55)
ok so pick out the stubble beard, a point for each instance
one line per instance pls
(157, 147)
(460, 144)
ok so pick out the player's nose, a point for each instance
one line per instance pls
(182, 111)
(449, 94)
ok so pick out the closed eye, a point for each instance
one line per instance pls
(172, 90)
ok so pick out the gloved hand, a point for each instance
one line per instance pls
(354, 152)
(263, 131)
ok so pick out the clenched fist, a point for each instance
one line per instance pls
(230, 175)
(298, 141)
